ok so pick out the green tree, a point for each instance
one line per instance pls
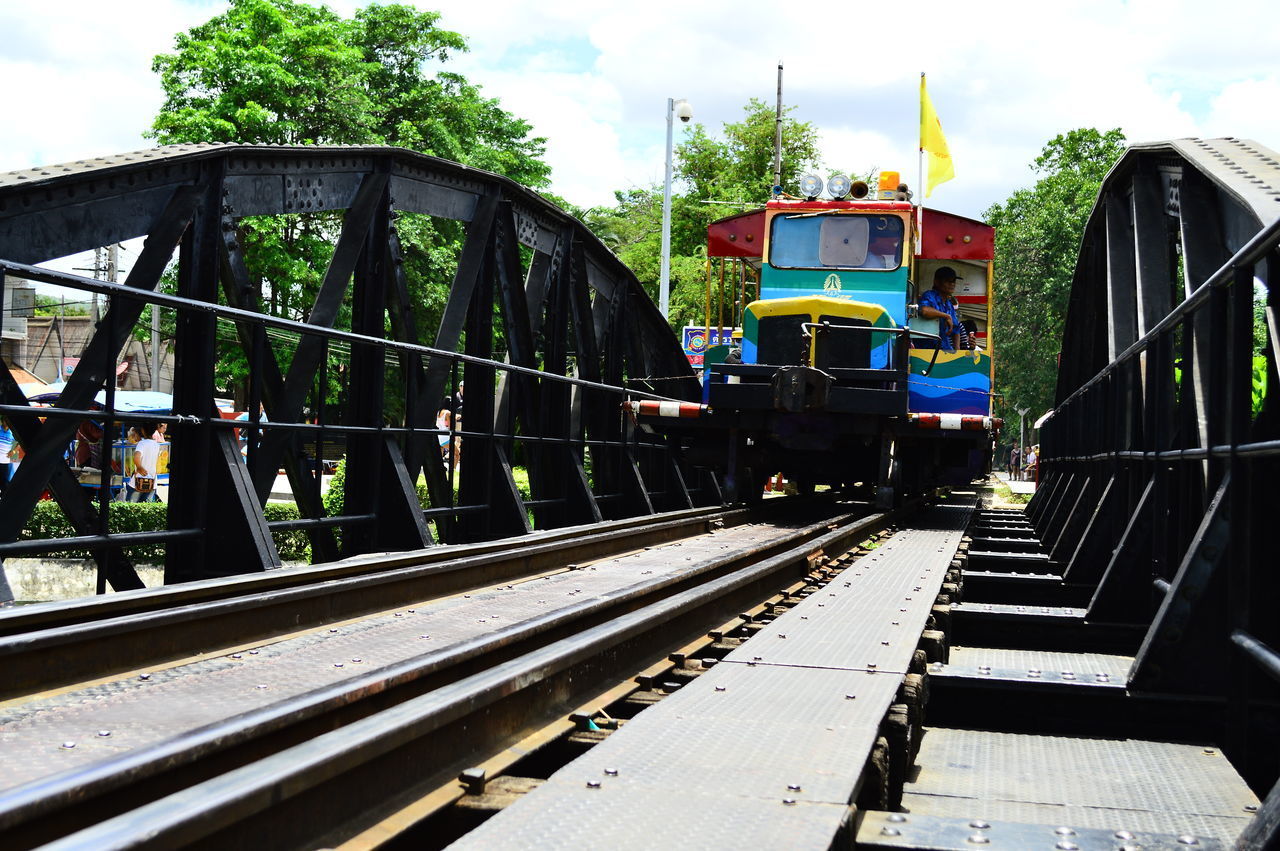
(285, 72)
(1038, 233)
(721, 175)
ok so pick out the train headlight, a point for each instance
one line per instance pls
(838, 186)
(811, 186)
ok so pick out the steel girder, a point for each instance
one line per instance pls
(1161, 450)
(571, 297)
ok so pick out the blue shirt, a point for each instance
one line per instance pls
(942, 304)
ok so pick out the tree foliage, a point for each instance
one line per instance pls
(1038, 233)
(721, 175)
(285, 72)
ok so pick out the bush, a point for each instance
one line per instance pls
(47, 522)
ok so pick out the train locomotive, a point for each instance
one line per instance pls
(836, 377)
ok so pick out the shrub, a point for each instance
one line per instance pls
(48, 522)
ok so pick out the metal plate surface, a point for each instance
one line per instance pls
(1012, 777)
(744, 737)
(752, 731)
(1010, 610)
(1044, 665)
(35, 734)
(870, 615)
(899, 830)
(616, 817)
(1222, 829)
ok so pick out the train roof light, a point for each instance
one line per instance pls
(839, 185)
(811, 186)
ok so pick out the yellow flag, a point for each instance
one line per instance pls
(933, 143)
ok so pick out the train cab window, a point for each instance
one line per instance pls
(780, 340)
(806, 241)
(844, 349)
(842, 241)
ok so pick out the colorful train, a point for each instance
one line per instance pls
(844, 375)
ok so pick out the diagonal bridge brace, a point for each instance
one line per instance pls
(284, 398)
(45, 443)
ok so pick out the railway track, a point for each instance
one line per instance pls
(46, 646)
(379, 685)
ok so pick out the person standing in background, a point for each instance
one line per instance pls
(141, 486)
(6, 445)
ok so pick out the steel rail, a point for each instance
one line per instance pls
(419, 697)
(84, 609)
(131, 630)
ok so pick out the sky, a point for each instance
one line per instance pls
(593, 77)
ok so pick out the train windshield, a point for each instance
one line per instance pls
(835, 241)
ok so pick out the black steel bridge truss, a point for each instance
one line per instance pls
(1160, 460)
(580, 335)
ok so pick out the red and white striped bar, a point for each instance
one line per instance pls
(649, 408)
(957, 422)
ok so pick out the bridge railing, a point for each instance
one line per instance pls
(575, 334)
(1159, 470)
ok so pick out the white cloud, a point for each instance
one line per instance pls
(593, 78)
(1247, 109)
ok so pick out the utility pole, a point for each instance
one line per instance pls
(777, 136)
(1022, 436)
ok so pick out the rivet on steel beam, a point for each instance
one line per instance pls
(144, 676)
(980, 824)
(357, 659)
(793, 787)
(850, 697)
(261, 685)
(1209, 752)
(898, 818)
(611, 772)
(66, 746)
(1123, 834)
(337, 664)
(593, 784)
(253, 652)
(333, 630)
(720, 688)
(1064, 831)
(1250, 808)
(978, 839)
(236, 656)
(1067, 845)
(890, 831)
(788, 801)
(103, 734)
(424, 636)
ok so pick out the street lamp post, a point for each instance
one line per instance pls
(681, 108)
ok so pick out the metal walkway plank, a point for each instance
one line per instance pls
(753, 746)
(1108, 784)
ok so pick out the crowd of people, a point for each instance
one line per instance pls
(1023, 462)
